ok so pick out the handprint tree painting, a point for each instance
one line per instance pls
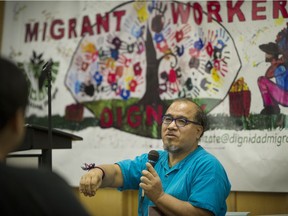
(144, 55)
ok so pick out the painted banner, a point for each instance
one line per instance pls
(117, 66)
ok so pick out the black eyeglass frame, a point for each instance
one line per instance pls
(182, 118)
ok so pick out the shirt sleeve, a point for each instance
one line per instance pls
(132, 171)
(210, 187)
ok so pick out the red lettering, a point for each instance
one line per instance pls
(106, 118)
(60, 30)
(235, 10)
(183, 12)
(102, 21)
(118, 15)
(150, 112)
(213, 8)
(72, 25)
(256, 9)
(86, 26)
(180, 13)
(133, 120)
(31, 33)
(197, 13)
(279, 6)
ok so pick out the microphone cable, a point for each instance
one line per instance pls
(141, 205)
(153, 157)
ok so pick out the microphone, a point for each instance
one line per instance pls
(153, 157)
(46, 70)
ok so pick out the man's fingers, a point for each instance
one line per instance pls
(145, 180)
(151, 169)
(89, 184)
(85, 186)
(94, 185)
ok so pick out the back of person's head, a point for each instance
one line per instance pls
(14, 91)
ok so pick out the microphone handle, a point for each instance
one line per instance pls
(153, 164)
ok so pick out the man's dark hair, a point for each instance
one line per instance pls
(14, 90)
(200, 115)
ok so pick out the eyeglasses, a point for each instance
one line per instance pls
(180, 122)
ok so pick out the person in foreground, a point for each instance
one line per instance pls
(26, 191)
(186, 180)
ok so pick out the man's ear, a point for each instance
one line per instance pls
(200, 130)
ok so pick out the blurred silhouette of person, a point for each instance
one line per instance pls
(26, 191)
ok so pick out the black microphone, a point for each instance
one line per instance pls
(46, 69)
(153, 157)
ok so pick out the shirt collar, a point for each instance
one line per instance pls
(165, 162)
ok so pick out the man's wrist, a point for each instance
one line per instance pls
(159, 199)
(91, 166)
(103, 172)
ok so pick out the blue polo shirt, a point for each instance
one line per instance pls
(199, 179)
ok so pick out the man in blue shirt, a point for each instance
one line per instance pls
(186, 180)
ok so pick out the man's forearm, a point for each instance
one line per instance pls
(172, 206)
(113, 177)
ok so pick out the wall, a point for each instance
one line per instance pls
(110, 202)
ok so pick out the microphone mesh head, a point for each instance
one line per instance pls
(153, 155)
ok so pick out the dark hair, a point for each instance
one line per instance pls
(200, 115)
(14, 90)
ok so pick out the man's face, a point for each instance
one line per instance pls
(181, 139)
